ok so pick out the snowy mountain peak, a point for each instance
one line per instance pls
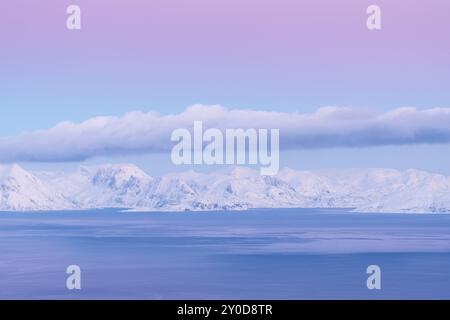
(125, 170)
(115, 176)
(20, 190)
(241, 172)
(12, 171)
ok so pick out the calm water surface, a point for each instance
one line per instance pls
(259, 254)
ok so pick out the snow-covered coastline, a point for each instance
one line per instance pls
(127, 186)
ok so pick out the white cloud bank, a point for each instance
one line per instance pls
(139, 132)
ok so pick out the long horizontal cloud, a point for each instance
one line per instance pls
(139, 132)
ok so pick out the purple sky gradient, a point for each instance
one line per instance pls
(297, 42)
(164, 55)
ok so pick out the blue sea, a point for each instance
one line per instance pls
(257, 254)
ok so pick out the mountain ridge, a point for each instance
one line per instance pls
(129, 187)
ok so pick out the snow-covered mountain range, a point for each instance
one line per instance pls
(127, 186)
